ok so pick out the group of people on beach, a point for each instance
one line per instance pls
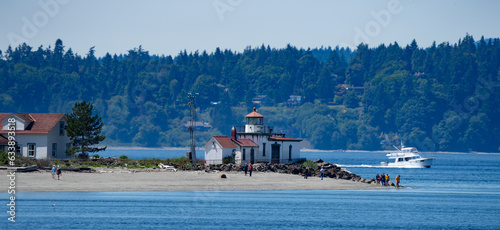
(384, 179)
(56, 171)
(248, 168)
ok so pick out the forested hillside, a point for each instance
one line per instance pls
(444, 97)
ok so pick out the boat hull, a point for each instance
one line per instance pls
(418, 163)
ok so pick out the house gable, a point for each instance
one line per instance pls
(23, 121)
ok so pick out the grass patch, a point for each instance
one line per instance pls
(123, 161)
(309, 164)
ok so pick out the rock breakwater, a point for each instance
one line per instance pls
(330, 170)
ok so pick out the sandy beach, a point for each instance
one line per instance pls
(132, 180)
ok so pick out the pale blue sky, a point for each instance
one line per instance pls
(167, 27)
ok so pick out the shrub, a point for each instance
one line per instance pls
(310, 164)
(227, 160)
(96, 156)
(189, 166)
(180, 161)
(4, 158)
(123, 157)
(42, 163)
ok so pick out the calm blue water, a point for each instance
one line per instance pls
(457, 192)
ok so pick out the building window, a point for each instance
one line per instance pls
(31, 150)
(54, 149)
(290, 153)
(19, 150)
(263, 149)
(61, 128)
(244, 158)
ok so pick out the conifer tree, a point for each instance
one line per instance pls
(84, 129)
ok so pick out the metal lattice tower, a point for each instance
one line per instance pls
(192, 106)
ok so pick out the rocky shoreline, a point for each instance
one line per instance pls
(330, 170)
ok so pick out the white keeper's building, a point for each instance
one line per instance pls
(37, 135)
(255, 143)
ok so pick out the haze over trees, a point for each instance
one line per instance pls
(444, 97)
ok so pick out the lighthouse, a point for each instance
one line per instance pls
(253, 143)
(254, 122)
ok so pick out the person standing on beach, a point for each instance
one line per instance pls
(306, 171)
(377, 177)
(397, 181)
(322, 171)
(53, 172)
(58, 171)
(382, 179)
(250, 168)
(387, 179)
(246, 169)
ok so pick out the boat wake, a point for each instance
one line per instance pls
(377, 166)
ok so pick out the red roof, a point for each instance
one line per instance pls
(42, 122)
(3, 140)
(278, 138)
(245, 143)
(25, 116)
(254, 113)
(225, 142)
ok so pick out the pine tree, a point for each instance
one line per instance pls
(84, 129)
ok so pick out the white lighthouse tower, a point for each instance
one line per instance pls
(254, 122)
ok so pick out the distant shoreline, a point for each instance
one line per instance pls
(303, 150)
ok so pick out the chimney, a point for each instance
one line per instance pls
(233, 134)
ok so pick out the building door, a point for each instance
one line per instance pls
(252, 156)
(275, 153)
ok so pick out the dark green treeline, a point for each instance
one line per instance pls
(444, 97)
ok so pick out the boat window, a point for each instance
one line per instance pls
(400, 159)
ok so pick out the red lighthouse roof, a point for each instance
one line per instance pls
(254, 113)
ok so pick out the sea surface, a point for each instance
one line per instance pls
(459, 191)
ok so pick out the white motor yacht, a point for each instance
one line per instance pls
(407, 157)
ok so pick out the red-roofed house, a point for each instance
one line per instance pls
(37, 135)
(256, 144)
